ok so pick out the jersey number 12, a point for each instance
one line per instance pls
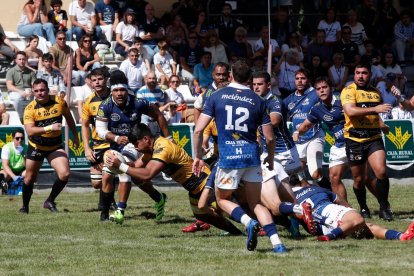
(239, 124)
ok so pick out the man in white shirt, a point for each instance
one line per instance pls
(83, 18)
(134, 69)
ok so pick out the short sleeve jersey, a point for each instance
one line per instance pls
(121, 120)
(238, 112)
(298, 107)
(178, 164)
(333, 117)
(89, 111)
(318, 197)
(283, 138)
(42, 115)
(211, 131)
(362, 128)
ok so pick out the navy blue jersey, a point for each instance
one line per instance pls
(120, 121)
(318, 197)
(333, 117)
(298, 107)
(238, 112)
(284, 141)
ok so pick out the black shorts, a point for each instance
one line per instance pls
(99, 154)
(37, 154)
(358, 152)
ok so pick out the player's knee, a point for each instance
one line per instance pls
(317, 174)
(64, 176)
(358, 180)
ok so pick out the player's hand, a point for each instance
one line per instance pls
(383, 108)
(56, 127)
(122, 140)
(76, 141)
(112, 161)
(295, 136)
(90, 155)
(395, 91)
(269, 162)
(198, 166)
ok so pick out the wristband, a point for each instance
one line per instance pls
(48, 129)
(116, 138)
(170, 138)
(123, 167)
(401, 99)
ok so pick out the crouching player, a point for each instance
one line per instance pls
(162, 155)
(336, 219)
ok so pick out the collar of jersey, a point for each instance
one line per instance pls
(238, 85)
(112, 98)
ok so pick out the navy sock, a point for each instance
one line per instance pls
(383, 188)
(392, 235)
(286, 208)
(155, 195)
(122, 206)
(237, 214)
(270, 229)
(335, 233)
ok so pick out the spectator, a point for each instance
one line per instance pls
(262, 44)
(259, 63)
(108, 17)
(7, 48)
(216, 48)
(186, 10)
(338, 72)
(240, 47)
(34, 21)
(172, 94)
(83, 18)
(4, 116)
(172, 116)
(404, 36)
(389, 65)
(82, 94)
(368, 16)
(138, 6)
(58, 17)
(358, 31)
(153, 31)
(226, 25)
(33, 54)
(318, 47)
(203, 73)
(176, 35)
(388, 18)
(331, 26)
(19, 80)
(61, 54)
(372, 54)
(190, 55)
(86, 58)
(294, 43)
(52, 76)
(316, 70)
(286, 69)
(386, 94)
(125, 32)
(200, 27)
(134, 70)
(165, 65)
(142, 51)
(13, 156)
(348, 48)
(282, 26)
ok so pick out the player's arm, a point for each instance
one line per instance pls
(275, 119)
(352, 110)
(270, 144)
(407, 104)
(198, 164)
(86, 133)
(303, 128)
(146, 173)
(156, 114)
(106, 134)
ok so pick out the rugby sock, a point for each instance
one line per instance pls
(271, 232)
(57, 187)
(27, 194)
(155, 195)
(106, 201)
(335, 233)
(286, 208)
(240, 216)
(122, 206)
(392, 235)
(324, 183)
(383, 188)
(361, 195)
(100, 204)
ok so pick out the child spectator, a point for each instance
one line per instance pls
(165, 65)
(52, 76)
(57, 16)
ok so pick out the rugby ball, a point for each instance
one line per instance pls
(117, 155)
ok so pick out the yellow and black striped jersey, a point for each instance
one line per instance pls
(178, 164)
(44, 115)
(362, 128)
(211, 131)
(89, 110)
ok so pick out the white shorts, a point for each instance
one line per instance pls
(312, 153)
(229, 179)
(278, 171)
(289, 160)
(337, 156)
(333, 214)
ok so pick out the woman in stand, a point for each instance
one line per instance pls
(34, 55)
(125, 32)
(86, 58)
(338, 72)
(216, 48)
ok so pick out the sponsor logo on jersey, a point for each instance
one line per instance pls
(238, 98)
(115, 117)
(327, 118)
(305, 102)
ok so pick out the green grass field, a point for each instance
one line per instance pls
(74, 242)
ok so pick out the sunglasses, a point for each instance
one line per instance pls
(61, 38)
(175, 81)
(19, 138)
(86, 41)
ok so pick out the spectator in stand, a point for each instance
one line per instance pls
(226, 25)
(282, 26)
(358, 31)
(389, 65)
(83, 18)
(138, 6)
(52, 76)
(176, 35)
(203, 73)
(318, 47)
(82, 94)
(153, 31)
(286, 69)
(164, 63)
(316, 70)
(33, 54)
(86, 58)
(125, 33)
(368, 16)
(172, 116)
(61, 54)
(262, 45)
(13, 157)
(58, 17)
(331, 26)
(338, 72)
(134, 70)
(240, 47)
(200, 27)
(34, 21)
(142, 51)
(294, 43)
(7, 48)
(4, 116)
(372, 54)
(108, 17)
(388, 18)
(186, 10)
(216, 48)
(172, 94)
(259, 63)
(19, 81)
(348, 48)
(387, 96)
(190, 55)
(404, 36)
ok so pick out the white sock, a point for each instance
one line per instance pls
(275, 240)
(297, 209)
(245, 219)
